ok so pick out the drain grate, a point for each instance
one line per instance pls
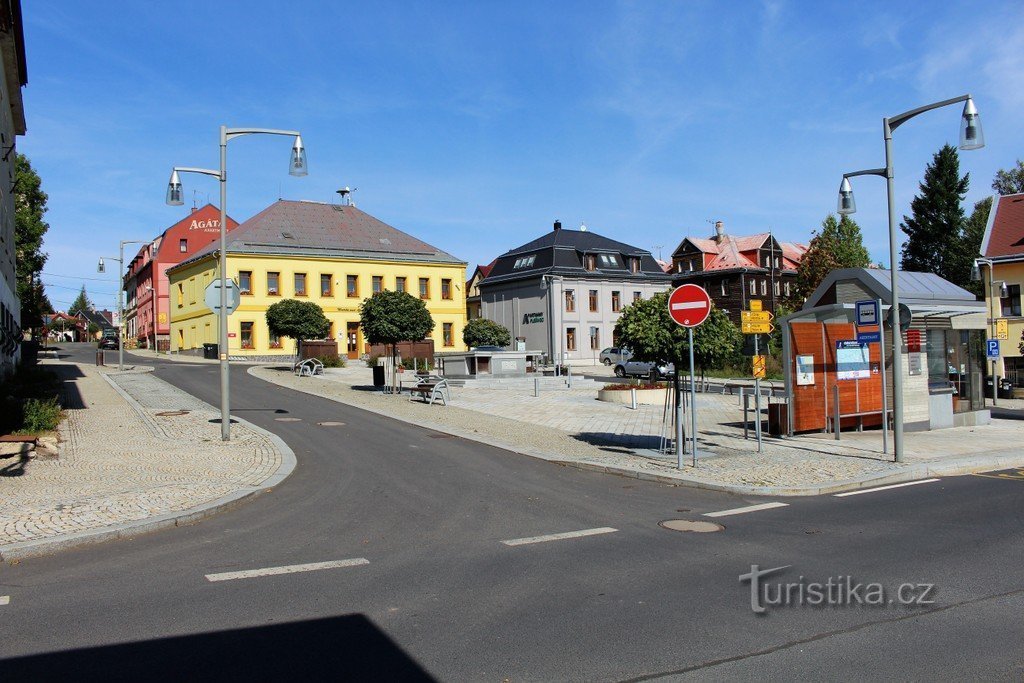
(700, 527)
(172, 413)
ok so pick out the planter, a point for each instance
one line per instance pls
(644, 396)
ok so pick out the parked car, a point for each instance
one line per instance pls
(636, 368)
(108, 343)
(613, 355)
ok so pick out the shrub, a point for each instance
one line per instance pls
(371, 362)
(40, 415)
(416, 363)
(332, 361)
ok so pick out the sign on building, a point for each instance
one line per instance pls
(852, 360)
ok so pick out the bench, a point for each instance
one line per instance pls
(309, 367)
(431, 388)
(831, 425)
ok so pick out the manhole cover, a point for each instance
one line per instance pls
(331, 424)
(690, 525)
(172, 413)
(288, 419)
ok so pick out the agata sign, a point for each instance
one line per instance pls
(209, 226)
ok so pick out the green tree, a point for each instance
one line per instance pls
(297, 320)
(390, 317)
(974, 232)
(1011, 181)
(838, 244)
(29, 228)
(81, 303)
(935, 230)
(484, 332)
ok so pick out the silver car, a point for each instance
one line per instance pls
(636, 368)
(614, 354)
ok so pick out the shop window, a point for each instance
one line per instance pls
(593, 301)
(245, 281)
(447, 336)
(272, 284)
(246, 335)
(300, 284)
(570, 338)
(446, 288)
(616, 302)
(326, 285)
(570, 301)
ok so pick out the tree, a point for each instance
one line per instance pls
(484, 332)
(839, 244)
(974, 233)
(935, 231)
(390, 317)
(298, 320)
(81, 303)
(29, 228)
(1010, 182)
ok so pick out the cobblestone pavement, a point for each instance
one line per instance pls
(572, 425)
(122, 461)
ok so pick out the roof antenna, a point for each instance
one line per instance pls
(346, 196)
(583, 226)
(195, 193)
(658, 247)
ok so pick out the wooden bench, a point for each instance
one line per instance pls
(309, 367)
(431, 388)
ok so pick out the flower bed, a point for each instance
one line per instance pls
(646, 394)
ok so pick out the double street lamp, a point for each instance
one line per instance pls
(101, 267)
(971, 137)
(297, 167)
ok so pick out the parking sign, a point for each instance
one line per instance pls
(992, 347)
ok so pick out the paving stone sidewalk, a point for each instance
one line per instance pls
(121, 462)
(573, 427)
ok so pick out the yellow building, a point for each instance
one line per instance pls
(1002, 270)
(333, 255)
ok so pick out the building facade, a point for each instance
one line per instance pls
(473, 290)
(735, 269)
(12, 123)
(1002, 268)
(333, 255)
(562, 293)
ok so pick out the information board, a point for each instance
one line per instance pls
(853, 360)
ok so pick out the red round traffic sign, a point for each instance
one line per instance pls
(689, 305)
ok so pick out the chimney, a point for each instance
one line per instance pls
(719, 231)
(558, 225)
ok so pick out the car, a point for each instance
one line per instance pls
(108, 343)
(636, 368)
(614, 354)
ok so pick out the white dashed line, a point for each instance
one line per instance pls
(559, 537)
(885, 488)
(290, 569)
(749, 508)
(5, 599)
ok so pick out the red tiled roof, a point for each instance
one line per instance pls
(1004, 235)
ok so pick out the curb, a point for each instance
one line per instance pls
(55, 544)
(953, 467)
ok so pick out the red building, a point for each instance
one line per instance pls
(147, 314)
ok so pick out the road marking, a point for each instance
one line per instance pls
(5, 599)
(885, 488)
(559, 537)
(743, 511)
(289, 569)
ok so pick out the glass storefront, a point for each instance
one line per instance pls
(957, 358)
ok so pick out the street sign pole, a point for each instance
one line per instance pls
(757, 400)
(679, 421)
(885, 389)
(688, 305)
(693, 402)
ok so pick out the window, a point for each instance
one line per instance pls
(1010, 304)
(570, 301)
(637, 296)
(424, 288)
(593, 301)
(616, 302)
(634, 264)
(274, 340)
(447, 334)
(775, 288)
(326, 284)
(724, 287)
(246, 335)
(525, 262)
(690, 264)
(272, 284)
(787, 289)
(245, 281)
(181, 295)
(764, 287)
(399, 284)
(590, 262)
(300, 284)
(595, 339)
(753, 286)
(377, 284)
(352, 286)
(609, 260)
(183, 245)
(446, 288)
(570, 338)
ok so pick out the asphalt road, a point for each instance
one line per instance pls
(440, 596)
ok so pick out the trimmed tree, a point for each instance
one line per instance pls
(484, 332)
(297, 320)
(390, 317)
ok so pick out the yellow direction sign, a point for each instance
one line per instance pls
(756, 316)
(1002, 332)
(759, 367)
(756, 328)
(755, 304)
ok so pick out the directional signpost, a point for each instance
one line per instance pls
(757, 322)
(689, 306)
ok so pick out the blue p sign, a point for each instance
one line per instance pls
(993, 348)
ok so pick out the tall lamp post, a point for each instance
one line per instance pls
(1003, 293)
(297, 167)
(101, 267)
(971, 137)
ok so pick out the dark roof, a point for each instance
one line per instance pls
(561, 252)
(96, 317)
(304, 228)
(921, 289)
(1004, 234)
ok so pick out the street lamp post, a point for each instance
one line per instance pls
(297, 167)
(101, 267)
(971, 137)
(1003, 292)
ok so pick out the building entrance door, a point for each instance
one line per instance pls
(352, 340)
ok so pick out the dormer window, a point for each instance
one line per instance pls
(589, 262)
(609, 260)
(525, 262)
(634, 264)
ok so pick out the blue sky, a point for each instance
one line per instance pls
(474, 125)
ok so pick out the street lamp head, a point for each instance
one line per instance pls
(101, 267)
(971, 135)
(1004, 291)
(847, 204)
(298, 163)
(975, 272)
(174, 197)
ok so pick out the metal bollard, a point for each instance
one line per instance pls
(99, 358)
(632, 399)
(837, 418)
(536, 387)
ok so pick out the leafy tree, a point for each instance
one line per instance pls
(298, 320)
(1009, 182)
(390, 317)
(839, 244)
(935, 231)
(29, 228)
(81, 303)
(974, 232)
(484, 332)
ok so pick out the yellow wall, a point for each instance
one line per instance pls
(1012, 274)
(193, 324)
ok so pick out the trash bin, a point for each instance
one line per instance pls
(778, 419)
(1005, 388)
(378, 376)
(210, 351)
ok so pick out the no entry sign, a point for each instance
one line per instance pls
(689, 305)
